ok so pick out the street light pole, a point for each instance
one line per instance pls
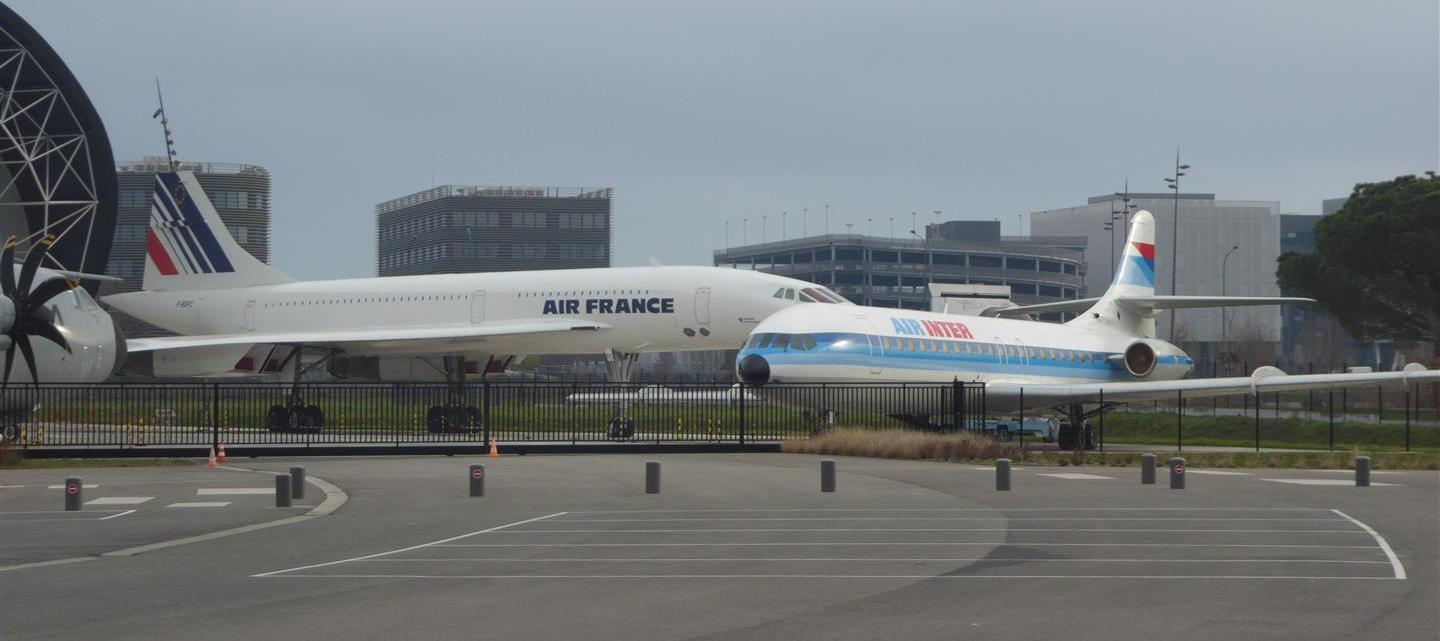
(1225, 312)
(783, 216)
(1175, 234)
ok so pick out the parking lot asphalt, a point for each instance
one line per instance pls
(745, 546)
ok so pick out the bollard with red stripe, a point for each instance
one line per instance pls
(74, 489)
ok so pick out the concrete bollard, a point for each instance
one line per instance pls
(1362, 471)
(827, 475)
(1177, 473)
(1147, 469)
(1002, 475)
(297, 482)
(282, 490)
(477, 480)
(74, 489)
(652, 477)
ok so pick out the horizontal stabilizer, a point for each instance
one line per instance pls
(1142, 303)
(344, 338)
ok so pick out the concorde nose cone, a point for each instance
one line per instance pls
(754, 369)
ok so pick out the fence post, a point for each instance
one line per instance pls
(215, 415)
(1330, 409)
(1407, 418)
(1102, 419)
(485, 408)
(742, 414)
(1022, 420)
(1179, 428)
(1257, 421)
(956, 400)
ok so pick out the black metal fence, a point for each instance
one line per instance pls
(243, 416)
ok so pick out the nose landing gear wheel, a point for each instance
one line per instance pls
(621, 427)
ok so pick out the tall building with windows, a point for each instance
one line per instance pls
(240, 193)
(466, 228)
(896, 272)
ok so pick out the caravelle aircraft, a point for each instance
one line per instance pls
(1106, 355)
(236, 315)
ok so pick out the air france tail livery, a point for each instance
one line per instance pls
(1107, 354)
(236, 315)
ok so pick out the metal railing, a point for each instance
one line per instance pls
(199, 415)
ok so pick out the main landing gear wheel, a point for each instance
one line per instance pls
(441, 419)
(621, 427)
(295, 418)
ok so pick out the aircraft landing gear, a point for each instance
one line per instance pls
(295, 415)
(454, 415)
(1075, 431)
(618, 366)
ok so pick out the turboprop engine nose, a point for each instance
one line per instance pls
(754, 369)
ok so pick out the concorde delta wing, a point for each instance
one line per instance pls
(343, 339)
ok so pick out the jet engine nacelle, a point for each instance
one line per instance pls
(1141, 357)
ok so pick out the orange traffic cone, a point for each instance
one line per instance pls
(494, 451)
(211, 462)
(223, 458)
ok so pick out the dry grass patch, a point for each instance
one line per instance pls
(903, 444)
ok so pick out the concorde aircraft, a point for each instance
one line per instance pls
(1106, 355)
(236, 315)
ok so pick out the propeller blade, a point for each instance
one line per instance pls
(36, 326)
(23, 340)
(7, 268)
(9, 361)
(32, 262)
(43, 293)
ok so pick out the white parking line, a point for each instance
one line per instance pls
(120, 500)
(908, 577)
(942, 518)
(229, 491)
(1078, 476)
(1379, 540)
(1325, 482)
(1216, 472)
(88, 486)
(200, 504)
(413, 547)
(924, 529)
(963, 509)
(874, 560)
(899, 544)
(116, 516)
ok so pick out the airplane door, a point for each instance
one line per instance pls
(250, 316)
(1024, 358)
(877, 347)
(702, 305)
(477, 307)
(1003, 355)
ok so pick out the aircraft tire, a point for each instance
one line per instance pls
(1067, 438)
(435, 419)
(316, 416)
(277, 419)
(1003, 434)
(475, 421)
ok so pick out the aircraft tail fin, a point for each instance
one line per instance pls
(188, 246)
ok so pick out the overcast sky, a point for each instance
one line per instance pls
(702, 112)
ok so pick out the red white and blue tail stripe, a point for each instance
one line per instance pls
(179, 241)
(187, 245)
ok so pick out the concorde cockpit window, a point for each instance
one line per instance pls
(820, 295)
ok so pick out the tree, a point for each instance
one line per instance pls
(1376, 266)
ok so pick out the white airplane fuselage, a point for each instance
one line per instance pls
(642, 308)
(874, 344)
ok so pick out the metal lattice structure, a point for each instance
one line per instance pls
(57, 173)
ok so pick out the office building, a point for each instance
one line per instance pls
(895, 272)
(460, 228)
(1209, 228)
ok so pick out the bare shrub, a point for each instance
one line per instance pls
(903, 444)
